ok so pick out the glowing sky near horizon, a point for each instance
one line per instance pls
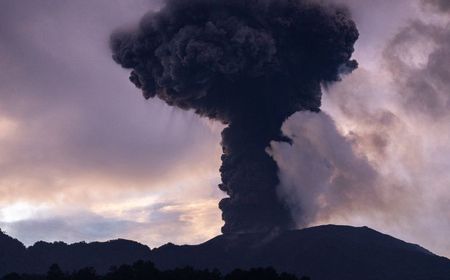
(84, 157)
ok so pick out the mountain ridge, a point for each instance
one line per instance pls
(323, 252)
(37, 258)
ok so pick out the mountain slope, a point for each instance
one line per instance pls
(101, 255)
(323, 253)
(12, 254)
(15, 257)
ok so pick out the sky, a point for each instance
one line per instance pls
(83, 156)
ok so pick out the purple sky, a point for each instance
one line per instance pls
(84, 157)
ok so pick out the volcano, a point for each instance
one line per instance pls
(322, 253)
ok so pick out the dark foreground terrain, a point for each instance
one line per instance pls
(322, 253)
(147, 271)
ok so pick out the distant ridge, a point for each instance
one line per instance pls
(15, 257)
(326, 252)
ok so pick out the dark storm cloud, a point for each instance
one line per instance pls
(249, 64)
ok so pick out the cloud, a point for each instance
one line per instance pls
(151, 224)
(65, 121)
(418, 57)
(85, 158)
(440, 5)
(370, 167)
(320, 172)
(387, 125)
(75, 137)
(83, 226)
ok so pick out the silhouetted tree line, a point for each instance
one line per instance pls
(147, 271)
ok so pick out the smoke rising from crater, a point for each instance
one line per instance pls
(249, 64)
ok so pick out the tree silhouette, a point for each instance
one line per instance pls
(142, 270)
(12, 276)
(88, 273)
(55, 273)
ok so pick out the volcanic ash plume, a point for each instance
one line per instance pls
(249, 64)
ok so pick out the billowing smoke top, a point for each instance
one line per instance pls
(249, 64)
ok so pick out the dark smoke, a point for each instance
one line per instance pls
(249, 64)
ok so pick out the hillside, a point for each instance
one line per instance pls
(323, 253)
(15, 257)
